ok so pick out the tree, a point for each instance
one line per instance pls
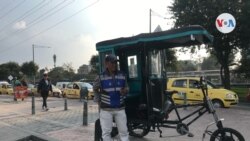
(29, 68)
(210, 63)
(10, 68)
(244, 67)
(186, 65)
(94, 62)
(201, 12)
(171, 62)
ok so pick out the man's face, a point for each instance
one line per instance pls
(111, 66)
(45, 76)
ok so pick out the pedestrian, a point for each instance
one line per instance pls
(83, 93)
(44, 87)
(111, 87)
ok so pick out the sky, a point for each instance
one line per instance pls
(70, 29)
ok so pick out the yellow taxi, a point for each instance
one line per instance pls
(188, 85)
(6, 89)
(72, 90)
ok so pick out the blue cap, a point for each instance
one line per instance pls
(111, 58)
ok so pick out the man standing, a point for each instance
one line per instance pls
(44, 87)
(112, 88)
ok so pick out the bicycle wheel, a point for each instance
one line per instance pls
(226, 134)
(138, 128)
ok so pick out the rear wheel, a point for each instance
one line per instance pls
(138, 128)
(98, 130)
(226, 134)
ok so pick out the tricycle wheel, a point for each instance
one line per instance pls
(182, 129)
(138, 128)
(98, 130)
(226, 134)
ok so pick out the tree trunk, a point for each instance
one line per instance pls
(225, 76)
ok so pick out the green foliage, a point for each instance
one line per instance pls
(244, 67)
(94, 62)
(186, 65)
(204, 13)
(210, 63)
(29, 68)
(171, 61)
(10, 68)
(241, 92)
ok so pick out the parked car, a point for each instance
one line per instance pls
(6, 88)
(72, 90)
(30, 87)
(62, 85)
(188, 85)
(56, 91)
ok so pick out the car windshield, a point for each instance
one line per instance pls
(210, 85)
(89, 86)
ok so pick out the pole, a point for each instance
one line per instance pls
(185, 100)
(85, 112)
(150, 11)
(65, 104)
(33, 105)
(33, 46)
(33, 53)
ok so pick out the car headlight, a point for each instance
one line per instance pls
(230, 96)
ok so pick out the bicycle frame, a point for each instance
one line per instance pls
(205, 106)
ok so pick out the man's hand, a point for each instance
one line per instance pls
(124, 91)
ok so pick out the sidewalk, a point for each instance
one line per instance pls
(53, 125)
(59, 125)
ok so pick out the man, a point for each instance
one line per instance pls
(112, 88)
(44, 87)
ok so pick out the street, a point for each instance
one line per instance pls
(67, 125)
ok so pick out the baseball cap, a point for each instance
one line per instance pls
(45, 73)
(111, 58)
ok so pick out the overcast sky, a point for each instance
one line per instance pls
(71, 28)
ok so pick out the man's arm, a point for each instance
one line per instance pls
(124, 91)
(96, 89)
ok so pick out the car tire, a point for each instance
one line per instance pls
(218, 103)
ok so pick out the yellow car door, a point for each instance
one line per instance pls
(179, 85)
(194, 94)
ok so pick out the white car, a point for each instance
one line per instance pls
(62, 85)
(56, 91)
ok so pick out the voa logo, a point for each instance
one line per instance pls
(225, 23)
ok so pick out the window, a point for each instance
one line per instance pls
(156, 67)
(180, 83)
(132, 66)
(193, 83)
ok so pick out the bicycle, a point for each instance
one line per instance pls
(159, 118)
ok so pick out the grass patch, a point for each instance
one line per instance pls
(241, 91)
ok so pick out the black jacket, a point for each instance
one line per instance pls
(43, 87)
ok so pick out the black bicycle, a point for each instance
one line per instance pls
(159, 118)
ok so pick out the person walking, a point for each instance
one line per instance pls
(44, 87)
(111, 87)
(83, 93)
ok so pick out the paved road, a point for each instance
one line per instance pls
(17, 122)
